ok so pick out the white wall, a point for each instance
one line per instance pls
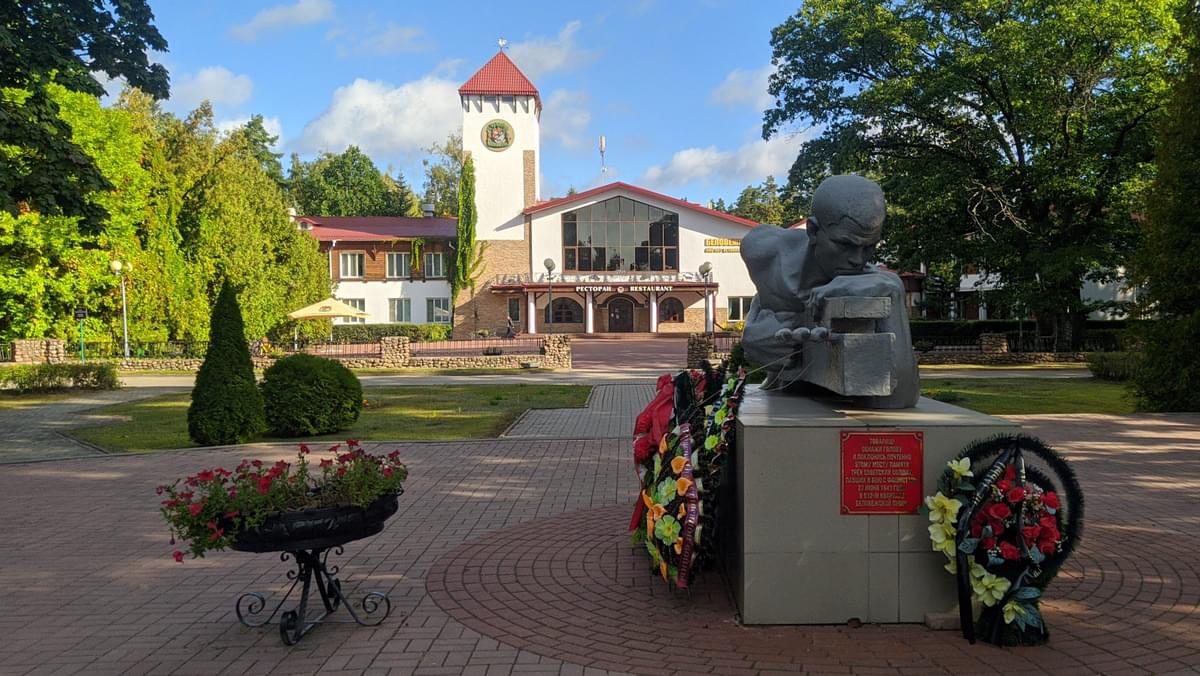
(499, 175)
(728, 270)
(377, 293)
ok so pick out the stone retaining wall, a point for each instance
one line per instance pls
(1000, 359)
(39, 351)
(395, 352)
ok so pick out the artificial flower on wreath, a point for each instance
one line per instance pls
(1000, 524)
(680, 441)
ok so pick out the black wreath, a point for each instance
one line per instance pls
(1012, 449)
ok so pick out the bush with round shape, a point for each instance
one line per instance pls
(226, 407)
(307, 395)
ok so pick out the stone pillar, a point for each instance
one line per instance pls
(653, 312)
(556, 351)
(395, 351)
(39, 351)
(589, 313)
(993, 343)
(701, 347)
(530, 313)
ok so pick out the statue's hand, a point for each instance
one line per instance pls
(870, 284)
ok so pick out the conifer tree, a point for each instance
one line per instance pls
(227, 407)
(1168, 264)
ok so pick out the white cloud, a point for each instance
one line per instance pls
(272, 124)
(744, 88)
(300, 13)
(383, 119)
(215, 84)
(542, 55)
(565, 118)
(750, 163)
(391, 39)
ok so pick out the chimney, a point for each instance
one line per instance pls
(427, 210)
(291, 212)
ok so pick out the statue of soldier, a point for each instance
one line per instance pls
(797, 271)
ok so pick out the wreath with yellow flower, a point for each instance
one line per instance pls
(680, 480)
(1000, 517)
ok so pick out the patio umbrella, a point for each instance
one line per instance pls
(328, 308)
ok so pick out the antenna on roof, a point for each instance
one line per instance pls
(603, 167)
(503, 43)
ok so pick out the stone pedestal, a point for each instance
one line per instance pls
(792, 555)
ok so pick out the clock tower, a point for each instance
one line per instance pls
(501, 132)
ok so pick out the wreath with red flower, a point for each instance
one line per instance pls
(1001, 519)
(678, 503)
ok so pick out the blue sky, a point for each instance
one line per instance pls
(678, 89)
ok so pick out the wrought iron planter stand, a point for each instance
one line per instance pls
(312, 569)
(308, 537)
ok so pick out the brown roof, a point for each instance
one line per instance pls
(500, 76)
(618, 185)
(377, 228)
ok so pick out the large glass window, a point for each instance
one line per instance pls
(359, 304)
(670, 310)
(620, 235)
(435, 264)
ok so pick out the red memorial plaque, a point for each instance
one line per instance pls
(882, 472)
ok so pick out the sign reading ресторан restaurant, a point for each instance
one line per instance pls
(882, 472)
(608, 288)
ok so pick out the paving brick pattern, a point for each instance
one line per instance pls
(609, 413)
(89, 586)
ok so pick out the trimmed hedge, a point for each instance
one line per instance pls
(367, 332)
(50, 377)
(306, 395)
(226, 407)
(1118, 366)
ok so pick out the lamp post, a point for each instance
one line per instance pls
(709, 311)
(122, 269)
(549, 263)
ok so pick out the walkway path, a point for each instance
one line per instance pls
(490, 531)
(609, 413)
(36, 432)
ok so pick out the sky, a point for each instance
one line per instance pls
(677, 88)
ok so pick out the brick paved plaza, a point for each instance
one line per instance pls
(511, 556)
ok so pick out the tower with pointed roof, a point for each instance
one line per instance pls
(501, 130)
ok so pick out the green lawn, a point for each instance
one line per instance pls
(1030, 396)
(402, 413)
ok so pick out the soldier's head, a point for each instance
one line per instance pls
(845, 226)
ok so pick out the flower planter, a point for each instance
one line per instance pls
(308, 536)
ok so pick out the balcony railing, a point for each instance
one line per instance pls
(605, 278)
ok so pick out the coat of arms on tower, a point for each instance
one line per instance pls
(497, 135)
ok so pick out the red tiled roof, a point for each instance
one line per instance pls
(376, 228)
(588, 194)
(500, 76)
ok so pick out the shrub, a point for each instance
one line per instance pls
(227, 407)
(368, 332)
(49, 377)
(1113, 365)
(1169, 369)
(307, 395)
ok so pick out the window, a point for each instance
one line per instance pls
(437, 310)
(670, 310)
(400, 310)
(435, 264)
(566, 311)
(620, 235)
(514, 309)
(359, 304)
(399, 265)
(739, 307)
(351, 265)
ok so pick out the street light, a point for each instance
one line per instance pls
(549, 263)
(709, 312)
(123, 269)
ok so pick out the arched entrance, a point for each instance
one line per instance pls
(620, 315)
